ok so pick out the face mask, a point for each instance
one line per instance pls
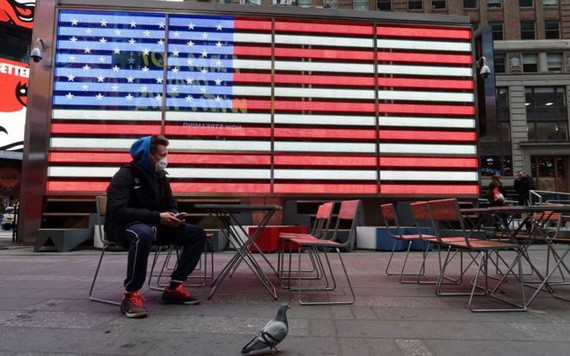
(161, 164)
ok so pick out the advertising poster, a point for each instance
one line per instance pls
(18, 12)
(14, 93)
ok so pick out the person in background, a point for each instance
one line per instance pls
(523, 184)
(496, 193)
(141, 212)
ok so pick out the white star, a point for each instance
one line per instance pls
(70, 78)
(103, 23)
(176, 34)
(86, 67)
(115, 87)
(158, 97)
(161, 24)
(145, 69)
(158, 80)
(71, 58)
(174, 89)
(88, 31)
(131, 60)
(218, 99)
(204, 54)
(144, 89)
(190, 44)
(87, 50)
(190, 61)
(132, 41)
(219, 44)
(218, 63)
(133, 24)
(175, 52)
(204, 71)
(203, 90)
(116, 68)
(100, 79)
(146, 51)
(118, 32)
(129, 97)
(219, 27)
(99, 96)
(191, 26)
(189, 80)
(117, 50)
(101, 59)
(204, 35)
(189, 98)
(147, 33)
(160, 42)
(74, 22)
(73, 39)
(85, 87)
(103, 40)
(130, 79)
(175, 70)
(69, 96)
(218, 81)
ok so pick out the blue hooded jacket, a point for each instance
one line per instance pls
(140, 152)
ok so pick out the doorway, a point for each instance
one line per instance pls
(550, 172)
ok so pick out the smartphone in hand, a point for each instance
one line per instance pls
(181, 216)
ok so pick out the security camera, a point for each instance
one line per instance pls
(485, 71)
(36, 54)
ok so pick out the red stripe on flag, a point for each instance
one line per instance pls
(426, 109)
(424, 32)
(250, 51)
(418, 189)
(303, 105)
(329, 80)
(326, 28)
(256, 24)
(89, 157)
(105, 129)
(218, 159)
(326, 133)
(297, 53)
(429, 162)
(425, 57)
(326, 188)
(405, 135)
(324, 160)
(425, 83)
(211, 187)
(178, 130)
(76, 186)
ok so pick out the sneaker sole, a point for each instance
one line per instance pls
(192, 302)
(138, 315)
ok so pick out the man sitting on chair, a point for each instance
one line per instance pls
(141, 211)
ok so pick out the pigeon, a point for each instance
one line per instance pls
(272, 333)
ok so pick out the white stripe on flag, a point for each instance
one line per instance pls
(424, 45)
(407, 148)
(324, 67)
(326, 174)
(324, 147)
(339, 120)
(194, 173)
(228, 117)
(95, 143)
(424, 96)
(428, 176)
(425, 70)
(212, 145)
(406, 121)
(112, 115)
(320, 93)
(325, 41)
(252, 37)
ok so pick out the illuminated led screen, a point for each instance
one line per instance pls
(265, 106)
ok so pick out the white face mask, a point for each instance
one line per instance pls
(161, 164)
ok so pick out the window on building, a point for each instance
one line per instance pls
(333, 4)
(554, 62)
(530, 62)
(497, 30)
(439, 4)
(525, 3)
(494, 4)
(361, 5)
(415, 5)
(547, 118)
(470, 4)
(503, 114)
(499, 60)
(551, 29)
(384, 5)
(527, 30)
(497, 165)
(549, 3)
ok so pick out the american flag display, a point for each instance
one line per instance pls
(265, 105)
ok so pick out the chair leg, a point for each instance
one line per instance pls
(91, 297)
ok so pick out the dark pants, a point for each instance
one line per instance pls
(141, 237)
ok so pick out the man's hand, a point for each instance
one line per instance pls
(169, 218)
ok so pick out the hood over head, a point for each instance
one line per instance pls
(140, 152)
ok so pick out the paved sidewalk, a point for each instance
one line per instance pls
(44, 309)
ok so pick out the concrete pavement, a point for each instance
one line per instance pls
(44, 309)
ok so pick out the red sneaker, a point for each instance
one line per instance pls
(178, 295)
(132, 306)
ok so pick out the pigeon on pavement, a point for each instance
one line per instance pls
(272, 333)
